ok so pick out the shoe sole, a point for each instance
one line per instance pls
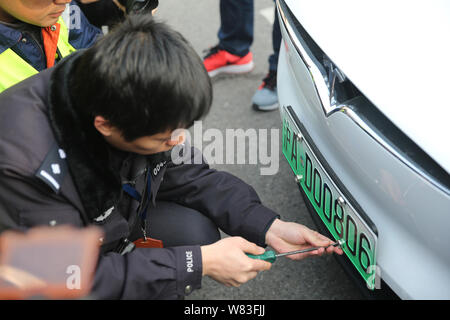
(233, 69)
(271, 107)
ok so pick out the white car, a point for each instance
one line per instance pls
(364, 91)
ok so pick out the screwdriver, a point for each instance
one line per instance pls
(270, 255)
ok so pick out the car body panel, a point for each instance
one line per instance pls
(395, 52)
(412, 215)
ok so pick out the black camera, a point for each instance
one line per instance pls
(139, 6)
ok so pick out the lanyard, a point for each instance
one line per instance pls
(132, 192)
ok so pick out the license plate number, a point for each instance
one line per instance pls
(329, 203)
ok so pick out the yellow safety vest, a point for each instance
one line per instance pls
(14, 69)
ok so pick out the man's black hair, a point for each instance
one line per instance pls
(144, 78)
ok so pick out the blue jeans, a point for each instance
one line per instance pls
(236, 29)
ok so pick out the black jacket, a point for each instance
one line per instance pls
(54, 170)
(103, 12)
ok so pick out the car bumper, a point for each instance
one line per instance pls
(411, 215)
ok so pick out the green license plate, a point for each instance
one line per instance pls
(333, 208)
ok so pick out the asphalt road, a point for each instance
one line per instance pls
(314, 278)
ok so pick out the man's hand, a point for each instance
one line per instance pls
(226, 262)
(289, 236)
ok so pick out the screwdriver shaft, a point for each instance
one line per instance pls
(337, 243)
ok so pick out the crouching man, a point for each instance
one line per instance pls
(88, 143)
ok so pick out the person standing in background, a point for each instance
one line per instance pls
(33, 37)
(232, 54)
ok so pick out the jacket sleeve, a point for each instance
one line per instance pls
(227, 200)
(168, 273)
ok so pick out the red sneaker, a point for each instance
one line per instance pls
(220, 61)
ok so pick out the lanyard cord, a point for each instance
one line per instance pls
(132, 192)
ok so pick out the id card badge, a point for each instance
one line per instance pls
(148, 243)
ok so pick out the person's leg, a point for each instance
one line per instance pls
(276, 43)
(232, 54)
(177, 225)
(266, 97)
(236, 26)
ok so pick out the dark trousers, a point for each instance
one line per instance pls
(236, 29)
(176, 225)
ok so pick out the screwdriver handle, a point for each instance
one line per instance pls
(268, 256)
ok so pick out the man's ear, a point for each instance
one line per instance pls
(103, 126)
